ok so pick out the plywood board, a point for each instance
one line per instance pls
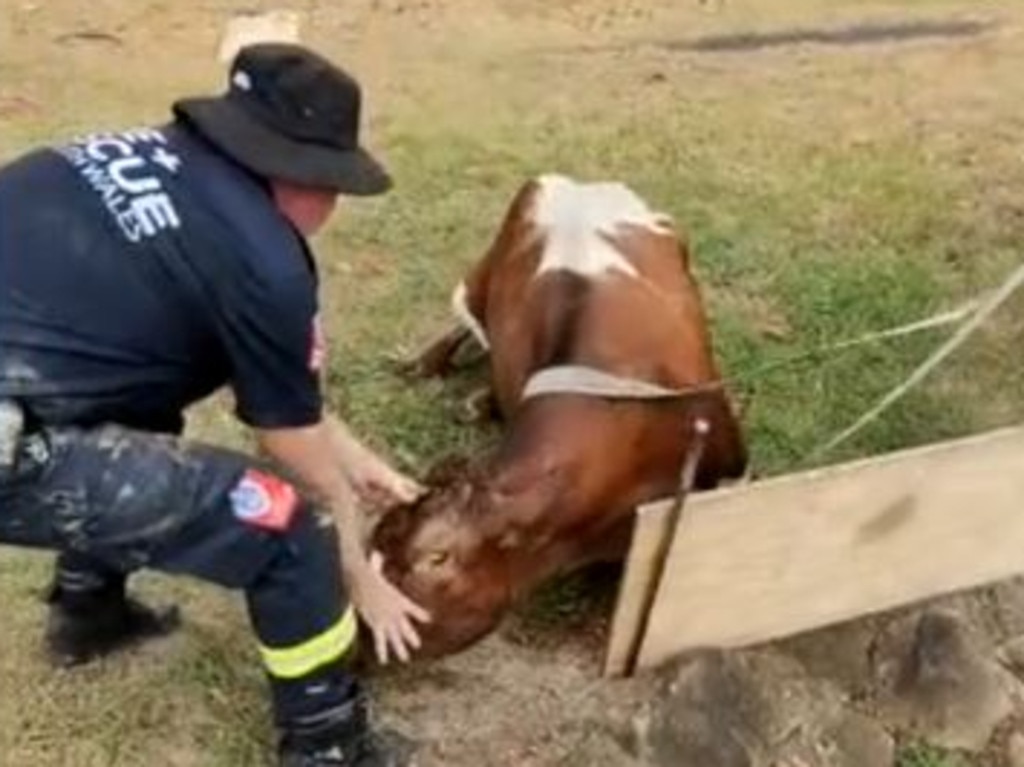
(803, 551)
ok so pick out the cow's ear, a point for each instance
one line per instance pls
(448, 470)
(510, 539)
(518, 503)
(537, 478)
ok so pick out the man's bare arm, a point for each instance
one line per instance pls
(315, 456)
(378, 485)
(309, 452)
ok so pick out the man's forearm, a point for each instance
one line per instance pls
(349, 450)
(309, 452)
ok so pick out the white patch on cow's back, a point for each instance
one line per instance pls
(577, 220)
(460, 307)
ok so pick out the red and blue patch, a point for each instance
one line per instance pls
(317, 345)
(264, 501)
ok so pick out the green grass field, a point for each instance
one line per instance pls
(827, 191)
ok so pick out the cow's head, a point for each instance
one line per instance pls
(439, 553)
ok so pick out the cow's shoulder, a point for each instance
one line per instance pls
(583, 226)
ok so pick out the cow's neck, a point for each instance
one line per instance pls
(565, 484)
(535, 490)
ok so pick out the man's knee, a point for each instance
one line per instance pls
(310, 544)
(274, 509)
(243, 558)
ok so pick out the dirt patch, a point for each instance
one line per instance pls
(938, 686)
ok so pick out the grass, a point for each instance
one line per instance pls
(924, 755)
(826, 193)
(795, 256)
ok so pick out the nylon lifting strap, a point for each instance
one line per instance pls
(587, 381)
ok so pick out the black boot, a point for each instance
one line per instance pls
(343, 738)
(85, 627)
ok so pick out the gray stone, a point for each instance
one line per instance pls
(752, 709)
(861, 742)
(1015, 750)
(1011, 655)
(700, 717)
(934, 679)
(838, 653)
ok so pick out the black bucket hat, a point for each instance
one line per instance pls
(290, 114)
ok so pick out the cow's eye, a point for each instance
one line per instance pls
(437, 558)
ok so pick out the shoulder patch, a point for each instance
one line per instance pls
(263, 500)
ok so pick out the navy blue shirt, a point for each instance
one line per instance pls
(141, 271)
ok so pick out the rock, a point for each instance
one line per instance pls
(1006, 603)
(861, 742)
(846, 739)
(1015, 750)
(934, 679)
(1011, 655)
(932, 673)
(743, 710)
(838, 653)
(700, 717)
(595, 746)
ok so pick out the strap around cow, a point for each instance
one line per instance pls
(587, 381)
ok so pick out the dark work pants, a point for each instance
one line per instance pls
(113, 501)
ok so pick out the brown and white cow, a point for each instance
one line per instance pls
(600, 362)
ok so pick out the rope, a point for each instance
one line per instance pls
(985, 310)
(588, 381)
(939, 320)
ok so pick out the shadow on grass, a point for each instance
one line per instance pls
(865, 33)
(856, 34)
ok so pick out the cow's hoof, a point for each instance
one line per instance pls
(415, 368)
(479, 407)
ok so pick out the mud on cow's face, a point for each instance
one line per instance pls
(437, 553)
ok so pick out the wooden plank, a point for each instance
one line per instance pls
(651, 527)
(808, 550)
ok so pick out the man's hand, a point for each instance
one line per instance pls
(388, 612)
(379, 485)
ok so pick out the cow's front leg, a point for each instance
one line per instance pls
(481, 406)
(435, 358)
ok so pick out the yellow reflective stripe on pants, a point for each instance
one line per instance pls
(297, 661)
